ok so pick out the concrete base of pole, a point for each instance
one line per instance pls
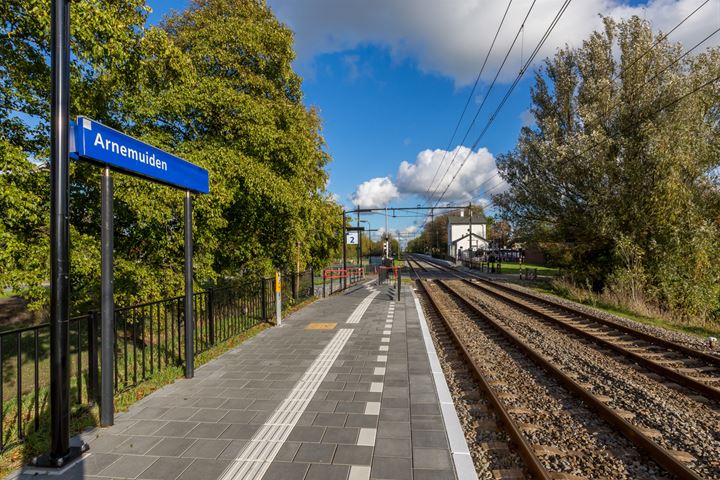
(278, 309)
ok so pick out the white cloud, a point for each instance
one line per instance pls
(451, 37)
(477, 175)
(375, 193)
(409, 230)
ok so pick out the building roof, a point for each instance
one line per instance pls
(476, 220)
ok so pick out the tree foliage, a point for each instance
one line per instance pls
(213, 84)
(615, 178)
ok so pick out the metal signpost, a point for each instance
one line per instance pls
(278, 299)
(102, 145)
(109, 149)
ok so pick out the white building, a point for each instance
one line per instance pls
(466, 233)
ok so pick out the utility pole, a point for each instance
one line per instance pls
(471, 238)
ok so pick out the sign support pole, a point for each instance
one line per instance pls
(344, 242)
(189, 320)
(107, 303)
(60, 451)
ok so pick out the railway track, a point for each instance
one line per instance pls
(467, 320)
(685, 366)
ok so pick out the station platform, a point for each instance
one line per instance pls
(346, 388)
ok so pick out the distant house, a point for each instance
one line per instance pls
(465, 234)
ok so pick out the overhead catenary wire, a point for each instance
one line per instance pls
(631, 65)
(518, 77)
(470, 97)
(484, 100)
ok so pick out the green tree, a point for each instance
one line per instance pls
(213, 84)
(618, 161)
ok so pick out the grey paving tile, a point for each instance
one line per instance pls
(150, 413)
(238, 416)
(426, 409)
(166, 468)
(240, 431)
(393, 447)
(393, 429)
(395, 414)
(330, 419)
(204, 469)
(306, 434)
(96, 462)
(107, 443)
(343, 396)
(391, 468)
(176, 429)
(361, 420)
(208, 430)
(209, 402)
(286, 471)
(327, 472)
(315, 453)
(237, 403)
(128, 466)
(344, 435)
(206, 448)
(430, 438)
(287, 452)
(350, 407)
(432, 459)
(353, 455)
(429, 422)
(433, 474)
(144, 427)
(179, 413)
(233, 449)
(209, 415)
(170, 447)
(136, 445)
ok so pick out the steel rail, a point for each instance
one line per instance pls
(667, 372)
(707, 357)
(658, 453)
(524, 448)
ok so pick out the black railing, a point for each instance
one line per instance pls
(148, 338)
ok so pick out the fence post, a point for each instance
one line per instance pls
(263, 293)
(323, 275)
(93, 370)
(295, 282)
(312, 282)
(211, 316)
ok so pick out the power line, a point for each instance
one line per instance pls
(470, 96)
(485, 98)
(628, 67)
(519, 76)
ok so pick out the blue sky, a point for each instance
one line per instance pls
(391, 78)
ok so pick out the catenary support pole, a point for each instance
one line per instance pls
(189, 320)
(107, 304)
(59, 233)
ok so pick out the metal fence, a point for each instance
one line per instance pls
(148, 339)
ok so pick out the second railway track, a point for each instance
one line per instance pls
(679, 433)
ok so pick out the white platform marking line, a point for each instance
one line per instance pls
(255, 458)
(362, 308)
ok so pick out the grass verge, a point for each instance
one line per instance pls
(83, 416)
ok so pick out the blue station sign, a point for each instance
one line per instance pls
(97, 143)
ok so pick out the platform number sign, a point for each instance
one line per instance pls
(351, 238)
